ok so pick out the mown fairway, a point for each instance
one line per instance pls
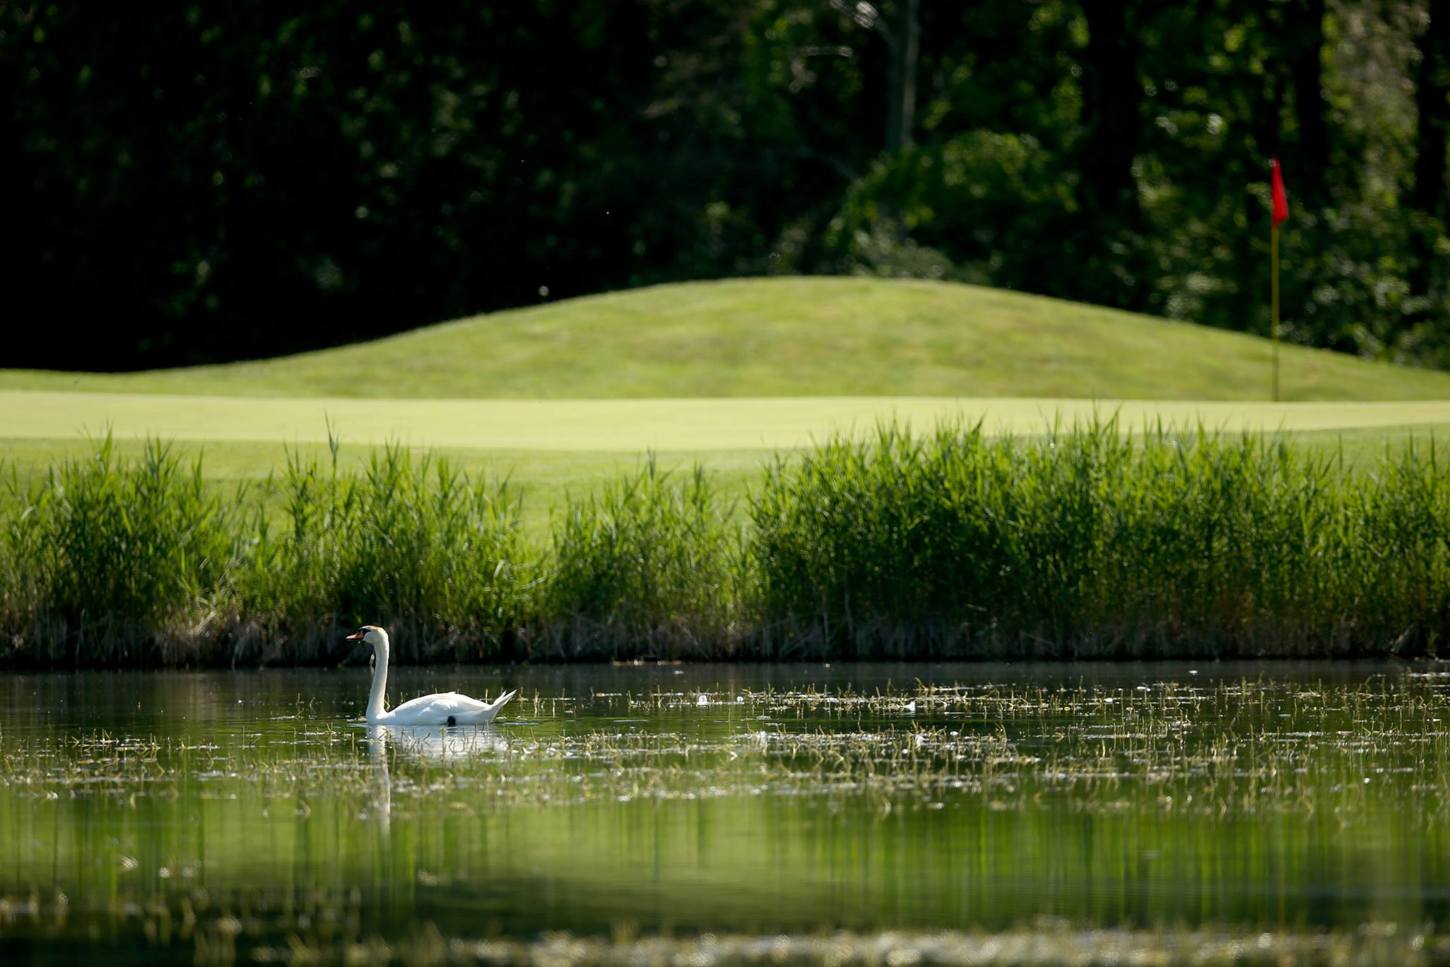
(552, 447)
(636, 425)
(565, 395)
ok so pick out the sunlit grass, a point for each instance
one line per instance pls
(630, 426)
(792, 337)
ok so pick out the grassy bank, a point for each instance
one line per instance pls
(1082, 543)
(791, 337)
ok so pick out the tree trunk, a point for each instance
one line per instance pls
(1111, 99)
(903, 41)
(1432, 103)
(1304, 26)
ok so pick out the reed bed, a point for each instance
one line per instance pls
(410, 543)
(1095, 543)
(108, 561)
(650, 565)
(1082, 543)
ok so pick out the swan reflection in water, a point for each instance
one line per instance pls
(435, 744)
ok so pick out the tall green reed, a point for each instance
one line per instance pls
(649, 565)
(1096, 543)
(1086, 542)
(410, 543)
(113, 561)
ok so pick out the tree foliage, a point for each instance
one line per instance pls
(196, 182)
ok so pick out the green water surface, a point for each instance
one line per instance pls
(208, 817)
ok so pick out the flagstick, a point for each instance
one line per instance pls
(1274, 270)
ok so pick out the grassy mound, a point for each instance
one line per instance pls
(792, 337)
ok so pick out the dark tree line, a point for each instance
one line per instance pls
(202, 182)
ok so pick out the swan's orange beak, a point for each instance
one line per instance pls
(355, 636)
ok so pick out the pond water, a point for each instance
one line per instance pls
(249, 815)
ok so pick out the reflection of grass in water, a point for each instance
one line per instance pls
(900, 800)
(1245, 745)
(1043, 944)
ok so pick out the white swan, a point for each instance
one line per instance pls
(444, 708)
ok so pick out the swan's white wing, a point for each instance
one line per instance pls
(439, 706)
(446, 708)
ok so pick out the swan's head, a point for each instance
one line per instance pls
(372, 635)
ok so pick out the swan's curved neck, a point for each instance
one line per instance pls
(380, 679)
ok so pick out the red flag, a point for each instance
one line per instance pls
(1281, 203)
